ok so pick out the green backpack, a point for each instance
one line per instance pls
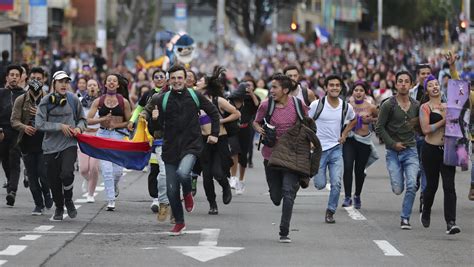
(191, 91)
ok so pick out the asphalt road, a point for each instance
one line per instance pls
(245, 233)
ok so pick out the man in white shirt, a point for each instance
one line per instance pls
(332, 117)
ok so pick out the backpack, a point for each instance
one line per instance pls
(271, 108)
(320, 107)
(304, 91)
(191, 91)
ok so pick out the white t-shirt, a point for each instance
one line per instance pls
(329, 122)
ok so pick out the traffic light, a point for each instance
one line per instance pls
(463, 25)
(294, 27)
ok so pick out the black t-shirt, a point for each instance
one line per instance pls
(248, 110)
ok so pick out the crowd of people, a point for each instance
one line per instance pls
(315, 109)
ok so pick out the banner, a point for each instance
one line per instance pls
(6, 5)
(38, 26)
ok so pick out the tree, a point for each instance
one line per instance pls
(249, 17)
(137, 24)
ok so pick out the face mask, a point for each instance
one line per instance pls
(35, 85)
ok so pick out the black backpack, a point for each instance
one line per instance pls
(320, 107)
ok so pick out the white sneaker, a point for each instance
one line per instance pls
(90, 199)
(239, 187)
(111, 205)
(84, 186)
(233, 182)
(155, 206)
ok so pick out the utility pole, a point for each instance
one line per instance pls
(220, 28)
(467, 12)
(379, 22)
(100, 24)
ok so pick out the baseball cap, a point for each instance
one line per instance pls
(59, 75)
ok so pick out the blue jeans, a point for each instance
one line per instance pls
(331, 159)
(403, 167)
(177, 176)
(472, 170)
(111, 172)
(420, 140)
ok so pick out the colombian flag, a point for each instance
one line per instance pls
(131, 154)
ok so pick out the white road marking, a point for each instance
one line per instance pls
(387, 248)
(140, 233)
(81, 200)
(12, 250)
(209, 237)
(99, 188)
(355, 214)
(44, 228)
(30, 237)
(207, 249)
(37, 232)
(3, 262)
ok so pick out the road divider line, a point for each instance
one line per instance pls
(355, 214)
(44, 228)
(99, 188)
(209, 237)
(36, 232)
(3, 262)
(80, 200)
(140, 233)
(387, 248)
(30, 237)
(12, 250)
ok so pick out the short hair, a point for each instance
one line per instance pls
(14, 67)
(5, 54)
(402, 73)
(176, 68)
(37, 70)
(333, 77)
(158, 71)
(291, 67)
(284, 81)
(422, 66)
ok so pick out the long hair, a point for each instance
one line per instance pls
(215, 83)
(123, 84)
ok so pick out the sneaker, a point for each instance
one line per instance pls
(284, 239)
(194, 185)
(405, 224)
(116, 189)
(111, 205)
(172, 219)
(425, 219)
(71, 209)
(357, 202)
(233, 182)
(84, 186)
(11, 199)
(213, 209)
(177, 229)
(58, 215)
(155, 206)
(239, 187)
(452, 228)
(38, 211)
(471, 193)
(48, 201)
(90, 199)
(26, 182)
(347, 202)
(330, 217)
(226, 194)
(189, 202)
(164, 211)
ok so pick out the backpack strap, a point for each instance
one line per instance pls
(299, 108)
(70, 99)
(195, 97)
(345, 108)
(319, 108)
(304, 91)
(270, 109)
(165, 100)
